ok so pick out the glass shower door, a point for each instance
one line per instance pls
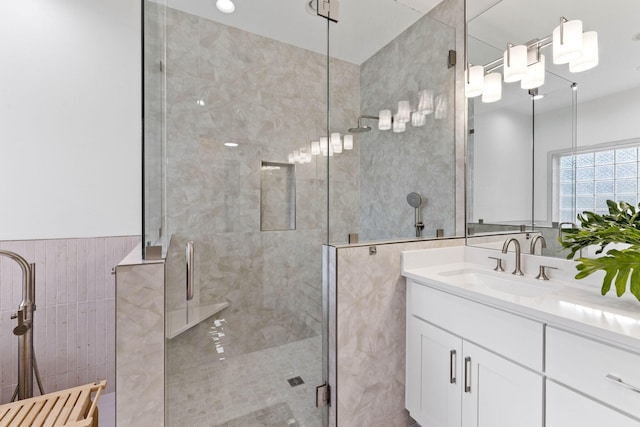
(246, 216)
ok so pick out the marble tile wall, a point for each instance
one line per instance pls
(75, 316)
(140, 342)
(368, 343)
(421, 159)
(255, 92)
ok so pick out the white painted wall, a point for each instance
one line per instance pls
(502, 166)
(604, 120)
(69, 118)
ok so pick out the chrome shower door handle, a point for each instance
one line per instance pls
(189, 259)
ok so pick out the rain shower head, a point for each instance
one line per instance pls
(414, 200)
(363, 128)
(360, 129)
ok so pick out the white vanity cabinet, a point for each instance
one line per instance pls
(459, 371)
(597, 371)
(490, 349)
(567, 408)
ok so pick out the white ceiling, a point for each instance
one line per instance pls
(518, 21)
(364, 26)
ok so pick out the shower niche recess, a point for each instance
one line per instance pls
(277, 196)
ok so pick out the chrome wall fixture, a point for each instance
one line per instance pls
(24, 330)
(525, 63)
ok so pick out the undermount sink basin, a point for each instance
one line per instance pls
(513, 285)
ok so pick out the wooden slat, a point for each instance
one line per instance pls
(3, 411)
(72, 407)
(35, 410)
(13, 410)
(54, 413)
(22, 414)
(44, 413)
(68, 407)
(80, 407)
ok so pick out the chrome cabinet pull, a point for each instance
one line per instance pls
(189, 257)
(467, 375)
(619, 380)
(452, 366)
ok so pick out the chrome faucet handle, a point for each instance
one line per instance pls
(542, 274)
(498, 266)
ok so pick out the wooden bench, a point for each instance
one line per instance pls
(73, 407)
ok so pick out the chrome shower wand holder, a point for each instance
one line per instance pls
(415, 201)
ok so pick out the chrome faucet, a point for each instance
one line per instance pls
(517, 271)
(534, 241)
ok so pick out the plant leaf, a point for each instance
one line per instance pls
(618, 265)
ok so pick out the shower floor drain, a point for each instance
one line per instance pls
(295, 381)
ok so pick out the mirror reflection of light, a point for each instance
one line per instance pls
(612, 317)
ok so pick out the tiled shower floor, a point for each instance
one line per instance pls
(249, 389)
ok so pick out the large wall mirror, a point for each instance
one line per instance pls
(537, 158)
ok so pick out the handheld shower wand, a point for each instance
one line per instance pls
(415, 201)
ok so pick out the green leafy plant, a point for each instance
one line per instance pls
(621, 266)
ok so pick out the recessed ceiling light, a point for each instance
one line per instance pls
(230, 144)
(225, 6)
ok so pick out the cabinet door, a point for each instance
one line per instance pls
(566, 408)
(433, 375)
(497, 392)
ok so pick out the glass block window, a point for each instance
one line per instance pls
(588, 179)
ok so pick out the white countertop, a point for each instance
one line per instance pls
(564, 302)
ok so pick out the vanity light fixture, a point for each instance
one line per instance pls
(384, 120)
(567, 41)
(418, 119)
(315, 148)
(441, 107)
(492, 88)
(335, 139)
(589, 58)
(535, 74)
(348, 142)
(404, 112)
(515, 63)
(337, 148)
(398, 126)
(425, 102)
(225, 6)
(474, 81)
(526, 64)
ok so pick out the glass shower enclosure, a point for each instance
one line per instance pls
(253, 162)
